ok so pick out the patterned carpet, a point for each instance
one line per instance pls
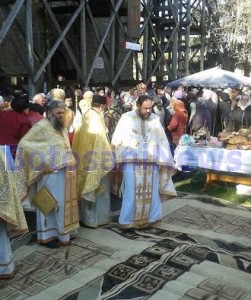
(200, 250)
(174, 254)
(44, 268)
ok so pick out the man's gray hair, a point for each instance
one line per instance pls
(54, 104)
(37, 97)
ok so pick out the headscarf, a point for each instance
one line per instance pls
(179, 106)
(178, 94)
(243, 107)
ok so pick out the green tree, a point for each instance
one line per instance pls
(229, 34)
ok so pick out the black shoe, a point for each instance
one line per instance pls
(52, 244)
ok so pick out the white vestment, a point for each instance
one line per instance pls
(141, 147)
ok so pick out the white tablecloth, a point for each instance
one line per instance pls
(218, 159)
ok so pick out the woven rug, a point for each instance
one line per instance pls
(200, 250)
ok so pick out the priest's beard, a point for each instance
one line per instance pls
(144, 116)
(58, 124)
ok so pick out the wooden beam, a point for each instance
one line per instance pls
(16, 41)
(166, 46)
(175, 39)
(158, 42)
(83, 45)
(112, 47)
(11, 17)
(145, 49)
(129, 52)
(119, 2)
(202, 39)
(59, 40)
(124, 33)
(98, 38)
(29, 47)
(5, 12)
(65, 42)
(133, 19)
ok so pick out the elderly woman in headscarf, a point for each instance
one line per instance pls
(241, 114)
(178, 122)
(202, 118)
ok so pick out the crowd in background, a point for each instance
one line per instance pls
(181, 110)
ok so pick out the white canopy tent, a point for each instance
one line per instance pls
(213, 78)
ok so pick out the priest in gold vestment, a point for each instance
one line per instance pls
(12, 219)
(86, 103)
(142, 150)
(44, 159)
(95, 161)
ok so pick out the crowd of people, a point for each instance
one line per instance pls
(72, 148)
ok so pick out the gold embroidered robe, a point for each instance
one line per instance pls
(94, 153)
(11, 210)
(44, 150)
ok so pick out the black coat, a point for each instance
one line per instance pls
(240, 118)
(201, 118)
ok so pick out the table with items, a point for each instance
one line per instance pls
(221, 164)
